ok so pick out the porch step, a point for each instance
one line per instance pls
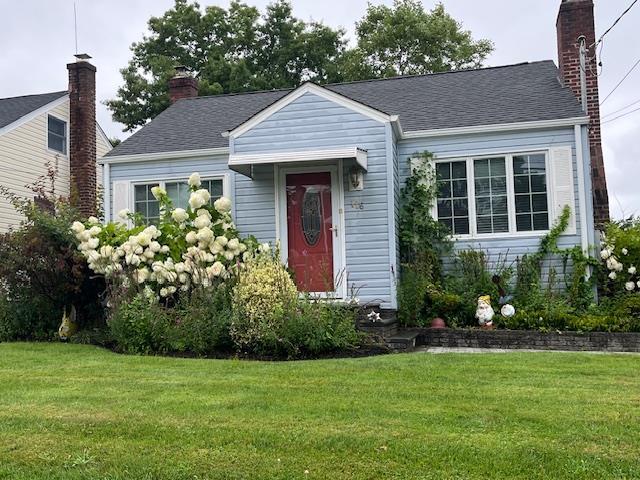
(403, 341)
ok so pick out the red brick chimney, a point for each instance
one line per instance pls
(82, 133)
(575, 19)
(182, 85)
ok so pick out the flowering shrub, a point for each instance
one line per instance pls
(188, 248)
(620, 255)
(263, 296)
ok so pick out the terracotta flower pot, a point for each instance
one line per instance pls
(438, 323)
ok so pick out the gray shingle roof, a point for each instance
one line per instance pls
(513, 93)
(11, 109)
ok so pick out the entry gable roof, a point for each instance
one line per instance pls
(310, 87)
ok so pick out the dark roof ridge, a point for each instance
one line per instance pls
(61, 92)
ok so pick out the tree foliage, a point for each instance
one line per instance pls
(238, 50)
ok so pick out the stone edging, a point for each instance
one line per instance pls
(514, 339)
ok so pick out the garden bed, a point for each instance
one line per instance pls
(522, 339)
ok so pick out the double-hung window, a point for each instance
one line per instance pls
(501, 194)
(177, 190)
(57, 134)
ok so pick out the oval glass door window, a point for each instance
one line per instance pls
(311, 216)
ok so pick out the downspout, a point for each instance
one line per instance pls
(106, 185)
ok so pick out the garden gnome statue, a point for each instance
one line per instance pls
(484, 312)
(68, 326)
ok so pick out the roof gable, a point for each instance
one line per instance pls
(313, 89)
(15, 108)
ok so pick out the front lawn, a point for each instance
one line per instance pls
(70, 411)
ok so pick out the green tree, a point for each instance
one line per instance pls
(405, 39)
(237, 50)
(232, 50)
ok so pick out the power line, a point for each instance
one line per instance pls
(613, 24)
(620, 109)
(620, 82)
(620, 116)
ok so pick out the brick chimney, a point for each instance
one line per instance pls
(82, 133)
(182, 85)
(575, 19)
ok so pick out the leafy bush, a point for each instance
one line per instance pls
(42, 273)
(316, 327)
(202, 322)
(186, 250)
(262, 297)
(141, 325)
(620, 255)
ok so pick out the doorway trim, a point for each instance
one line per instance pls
(337, 215)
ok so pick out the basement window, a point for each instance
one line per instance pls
(57, 135)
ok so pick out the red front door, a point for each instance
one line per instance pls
(309, 230)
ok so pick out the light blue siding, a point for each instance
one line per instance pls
(315, 123)
(479, 144)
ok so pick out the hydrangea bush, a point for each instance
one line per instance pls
(620, 254)
(191, 247)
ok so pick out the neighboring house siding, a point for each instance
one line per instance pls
(23, 159)
(508, 249)
(24, 156)
(314, 123)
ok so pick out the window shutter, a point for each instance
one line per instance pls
(120, 199)
(562, 185)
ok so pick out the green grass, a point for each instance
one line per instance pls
(79, 412)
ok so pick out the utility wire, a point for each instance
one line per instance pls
(620, 82)
(620, 109)
(613, 24)
(620, 116)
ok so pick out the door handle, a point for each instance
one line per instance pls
(334, 229)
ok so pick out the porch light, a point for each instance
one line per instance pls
(356, 179)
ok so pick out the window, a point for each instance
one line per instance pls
(57, 135)
(505, 193)
(490, 177)
(177, 190)
(530, 188)
(453, 200)
(145, 203)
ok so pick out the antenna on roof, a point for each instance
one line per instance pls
(75, 25)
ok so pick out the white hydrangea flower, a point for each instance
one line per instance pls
(196, 200)
(158, 192)
(165, 249)
(77, 227)
(201, 222)
(164, 292)
(205, 234)
(630, 286)
(613, 275)
(606, 253)
(204, 193)
(93, 243)
(222, 205)
(233, 244)
(203, 212)
(222, 240)
(179, 215)
(124, 213)
(614, 265)
(93, 221)
(191, 237)
(625, 251)
(194, 180)
(632, 270)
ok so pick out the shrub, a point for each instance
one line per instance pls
(141, 325)
(620, 256)
(42, 273)
(316, 327)
(202, 322)
(186, 250)
(262, 298)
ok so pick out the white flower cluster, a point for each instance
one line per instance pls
(616, 267)
(166, 259)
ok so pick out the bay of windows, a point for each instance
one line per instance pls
(493, 195)
(178, 191)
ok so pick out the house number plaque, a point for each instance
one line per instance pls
(357, 205)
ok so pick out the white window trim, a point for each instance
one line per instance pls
(162, 180)
(511, 208)
(66, 134)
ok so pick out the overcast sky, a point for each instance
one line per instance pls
(37, 41)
